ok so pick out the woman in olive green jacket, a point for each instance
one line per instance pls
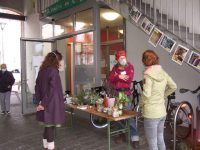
(157, 85)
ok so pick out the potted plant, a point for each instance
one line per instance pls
(122, 98)
(93, 97)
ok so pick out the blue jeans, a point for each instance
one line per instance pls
(5, 101)
(154, 131)
(133, 127)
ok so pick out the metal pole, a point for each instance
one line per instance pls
(145, 7)
(2, 46)
(179, 28)
(186, 20)
(2, 28)
(108, 133)
(154, 8)
(167, 15)
(173, 15)
(175, 118)
(193, 23)
(161, 11)
(129, 135)
(150, 9)
(140, 5)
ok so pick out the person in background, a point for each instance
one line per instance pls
(49, 96)
(121, 78)
(157, 85)
(6, 82)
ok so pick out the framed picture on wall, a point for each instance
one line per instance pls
(180, 54)
(167, 43)
(155, 37)
(147, 26)
(135, 14)
(194, 60)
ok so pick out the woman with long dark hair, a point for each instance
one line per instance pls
(50, 103)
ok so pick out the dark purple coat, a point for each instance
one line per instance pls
(48, 90)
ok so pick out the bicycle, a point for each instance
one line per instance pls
(197, 110)
(183, 123)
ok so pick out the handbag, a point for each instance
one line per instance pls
(34, 100)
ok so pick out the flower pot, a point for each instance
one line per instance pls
(111, 102)
(120, 106)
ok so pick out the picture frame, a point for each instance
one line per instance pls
(155, 37)
(147, 26)
(135, 14)
(180, 54)
(167, 43)
(194, 60)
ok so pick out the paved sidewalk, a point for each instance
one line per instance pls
(18, 132)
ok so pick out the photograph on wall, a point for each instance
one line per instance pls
(167, 43)
(155, 37)
(194, 60)
(147, 26)
(135, 14)
(180, 54)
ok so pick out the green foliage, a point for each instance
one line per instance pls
(80, 96)
(87, 97)
(93, 97)
(122, 98)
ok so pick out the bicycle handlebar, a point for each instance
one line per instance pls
(182, 90)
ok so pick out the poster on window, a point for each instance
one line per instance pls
(113, 61)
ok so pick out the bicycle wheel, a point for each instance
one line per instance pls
(98, 122)
(183, 122)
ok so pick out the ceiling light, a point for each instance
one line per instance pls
(110, 16)
(121, 31)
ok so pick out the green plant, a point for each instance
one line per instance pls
(80, 97)
(122, 98)
(93, 97)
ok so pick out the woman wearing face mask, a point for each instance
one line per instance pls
(50, 102)
(120, 78)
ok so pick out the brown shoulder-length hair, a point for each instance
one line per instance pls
(150, 58)
(51, 60)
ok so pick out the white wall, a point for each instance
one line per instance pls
(184, 76)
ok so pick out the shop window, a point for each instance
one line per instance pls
(84, 53)
(64, 26)
(47, 31)
(111, 25)
(111, 29)
(84, 20)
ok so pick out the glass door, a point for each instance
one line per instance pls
(84, 62)
(33, 52)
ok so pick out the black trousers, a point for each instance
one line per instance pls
(49, 133)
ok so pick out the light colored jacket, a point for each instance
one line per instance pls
(157, 86)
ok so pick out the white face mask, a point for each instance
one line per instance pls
(3, 70)
(123, 62)
(62, 65)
